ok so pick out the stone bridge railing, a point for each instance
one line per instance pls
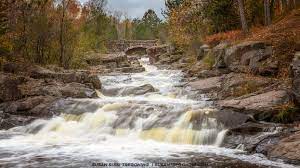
(123, 45)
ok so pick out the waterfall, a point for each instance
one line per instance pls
(163, 123)
(186, 121)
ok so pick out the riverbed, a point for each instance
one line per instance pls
(166, 127)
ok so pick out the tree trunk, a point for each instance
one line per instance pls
(281, 6)
(294, 3)
(242, 16)
(288, 3)
(61, 35)
(267, 12)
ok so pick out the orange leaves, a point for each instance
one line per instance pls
(227, 36)
(73, 8)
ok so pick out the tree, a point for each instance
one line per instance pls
(267, 12)
(171, 5)
(4, 43)
(151, 20)
(64, 6)
(148, 27)
(242, 16)
(221, 14)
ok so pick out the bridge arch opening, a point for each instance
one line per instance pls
(138, 50)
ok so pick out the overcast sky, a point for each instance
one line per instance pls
(135, 8)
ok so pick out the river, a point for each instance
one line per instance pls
(166, 128)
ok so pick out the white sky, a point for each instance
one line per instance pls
(135, 8)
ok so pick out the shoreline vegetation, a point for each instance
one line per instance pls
(243, 55)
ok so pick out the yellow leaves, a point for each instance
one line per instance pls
(5, 45)
(185, 25)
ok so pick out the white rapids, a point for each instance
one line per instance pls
(124, 129)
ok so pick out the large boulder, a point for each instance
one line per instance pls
(261, 106)
(256, 137)
(77, 90)
(287, 149)
(9, 87)
(8, 121)
(219, 53)
(66, 76)
(40, 87)
(206, 85)
(116, 59)
(249, 56)
(31, 106)
(234, 53)
(156, 51)
(295, 72)
(140, 90)
(239, 84)
(29, 91)
(229, 86)
(202, 51)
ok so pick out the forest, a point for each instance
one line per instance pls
(61, 31)
(155, 83)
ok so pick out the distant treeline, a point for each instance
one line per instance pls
(61, 31)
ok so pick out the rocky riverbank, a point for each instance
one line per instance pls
(28, 92)
(259, 108)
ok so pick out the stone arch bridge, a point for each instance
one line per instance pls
(130, 46)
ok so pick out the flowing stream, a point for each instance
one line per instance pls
(124, 128)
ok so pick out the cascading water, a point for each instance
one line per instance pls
(123, 129)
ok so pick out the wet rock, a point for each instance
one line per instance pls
(231, 119)
(155, 52)
(95, 81)
(75, 107)
(31, 106)
(258, 104)
(137, 69)
(169, 58)
(9, 121)
(256, 137)
(287, 149)
(140, 90)
(77, 90)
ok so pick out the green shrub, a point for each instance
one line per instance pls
(209, 60)
(287, 114)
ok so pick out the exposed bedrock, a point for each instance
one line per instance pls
(113, 62)
(28, 92)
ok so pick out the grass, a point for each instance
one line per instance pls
(245, 89)
(287, 113)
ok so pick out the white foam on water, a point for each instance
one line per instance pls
(94, 135)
